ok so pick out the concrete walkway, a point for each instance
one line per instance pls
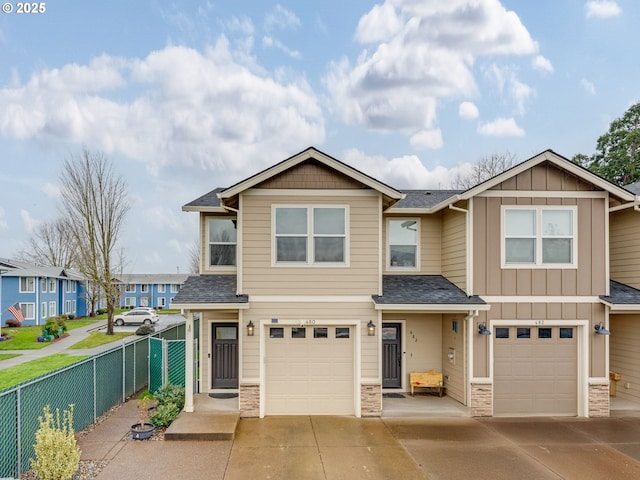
(337, 448)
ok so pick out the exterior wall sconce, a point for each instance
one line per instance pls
(483, 330)
(250, 327)
(600, 330)
(371, 328)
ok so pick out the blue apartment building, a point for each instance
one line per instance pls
(150, 290)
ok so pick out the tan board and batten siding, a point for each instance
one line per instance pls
(625, 247)
(624, 355)
(490, 279)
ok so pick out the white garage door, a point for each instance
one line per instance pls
(309, 370)
(535, 371)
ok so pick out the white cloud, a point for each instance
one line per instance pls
(468, 110)
(28, 221)
(588, 86)
(501, 127)
(282, 19)
(602, 9)
(427, 139)
(507, 81)
(189, 108)
(422, 51)
(270, 42)
(404, 172)
(541, 63)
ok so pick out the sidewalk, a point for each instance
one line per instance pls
(60, 346)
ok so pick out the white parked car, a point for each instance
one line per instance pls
(138, 315)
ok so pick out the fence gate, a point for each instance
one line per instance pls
(166, 363)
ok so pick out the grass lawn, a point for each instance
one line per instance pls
(4, 356)
(99, 338)
(26, 371)
(24, 338)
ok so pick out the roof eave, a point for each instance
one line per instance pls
(191, 208)
(209, 306)
(432, 307)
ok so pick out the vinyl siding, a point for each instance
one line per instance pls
(359, 277)
(454, 247)
(625, 355)
(625, 247)
(430, 245)
(589, 278)
(454, 372)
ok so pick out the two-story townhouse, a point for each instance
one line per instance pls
(625, 271)
(41, 292)
(320, 288)
(150, 290)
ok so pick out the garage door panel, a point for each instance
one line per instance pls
(309, 376)
(535, 375)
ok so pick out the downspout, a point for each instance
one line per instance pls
(238, 242)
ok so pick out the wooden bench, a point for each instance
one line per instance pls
(430, 379)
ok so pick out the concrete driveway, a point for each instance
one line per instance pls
(347, 448)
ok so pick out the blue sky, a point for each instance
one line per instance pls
(186, 96)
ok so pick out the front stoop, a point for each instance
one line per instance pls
(203, 426)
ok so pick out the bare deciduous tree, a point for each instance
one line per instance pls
(486, 168)
(95, 203)
(194, 257)
(50, 246)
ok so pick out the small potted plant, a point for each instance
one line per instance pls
(143, 429)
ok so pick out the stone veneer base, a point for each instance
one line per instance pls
(481, 400)
(249, 403)
(599, 405)
(371, 400)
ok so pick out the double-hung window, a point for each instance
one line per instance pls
(403, 237)
(27, 285)
(539, 236)
(223, 237)
(310, 234)
(130, 288)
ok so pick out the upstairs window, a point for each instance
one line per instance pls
(144, 288)
(403, 243)
(222, 240)
(539, 236)
(311, 235)
(130, 288)
(52, 285)
(27, 285)
(162, 288)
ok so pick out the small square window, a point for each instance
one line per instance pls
(298, 332)
(502, 332)
(524, 332)
(566, 333)
(276, 332)
(320, 332)
(544, 332)
(342, 332)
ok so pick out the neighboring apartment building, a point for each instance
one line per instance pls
(321, 288)
(150, 290)
(41, 292)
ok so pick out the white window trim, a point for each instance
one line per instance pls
(33, 284)
(25, 306)
(43, 310)
(162, 288)
(43, 285)
(538, 263)
(418, 246)
(67, 306)
(162, 302)
(310, 236)
(52, 309)
(130, 288)
(129, 301)
(52, 285)
(68, 286)
(174, 288)
(218, 268)
(144, 288)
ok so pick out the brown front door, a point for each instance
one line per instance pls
(391, 356)
(224, 364)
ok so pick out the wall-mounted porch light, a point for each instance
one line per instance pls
(371, 328)
(483, 330)
(250, 327)
(600, 329)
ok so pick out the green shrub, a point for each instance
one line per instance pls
(169, 393)
(57, 455)
(164, 414)
(50, 327)
(145, 330)
(101, 311)
(71, 316)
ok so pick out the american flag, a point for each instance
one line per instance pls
(16, 312)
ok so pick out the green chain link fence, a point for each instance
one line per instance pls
(93, 386)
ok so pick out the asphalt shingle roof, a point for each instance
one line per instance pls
(424, 198)
(633, 188)
(422, 289)
(621, 294)
(207, 200)
(209, 289)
